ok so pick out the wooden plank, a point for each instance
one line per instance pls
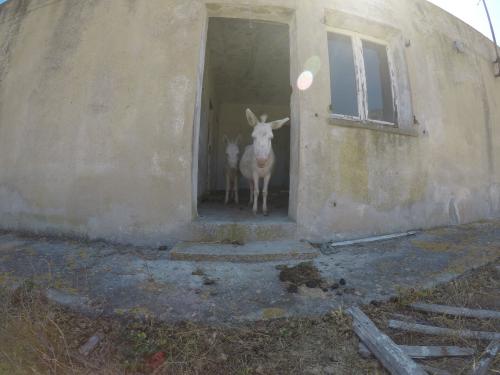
(439, 331)
(372, 239)
(458, 311)
(423, 352)
(488, 357)
(387, 352)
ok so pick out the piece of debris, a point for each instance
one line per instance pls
(232, 242)
(304, 273)
(156, 360)
(208, 281)
(458, 311)
(334, 286)
(425, 352)
(440, 331)
(90, 345)
(342, 282)
(488, 357)
(312, 283)
(372, 239)
(198, 272)
(392, 357)
(163, 248)
(292, 288)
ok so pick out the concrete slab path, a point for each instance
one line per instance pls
(109, 279)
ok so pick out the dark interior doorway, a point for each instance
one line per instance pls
(247, 65)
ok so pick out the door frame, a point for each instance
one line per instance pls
(280, 15)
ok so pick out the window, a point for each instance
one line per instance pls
(343, 76)
(360, 80)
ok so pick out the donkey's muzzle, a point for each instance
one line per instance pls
(261, 163)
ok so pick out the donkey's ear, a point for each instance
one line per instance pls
(251, 118)
(225, 139)
(279, 123)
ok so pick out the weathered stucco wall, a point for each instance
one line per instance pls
(97, 106)
(374, 182)
(96, 114)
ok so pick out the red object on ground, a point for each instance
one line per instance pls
(156, 360)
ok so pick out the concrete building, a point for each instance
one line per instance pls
(112, 114)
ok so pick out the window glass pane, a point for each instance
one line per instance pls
(342, 75)
(378, 82)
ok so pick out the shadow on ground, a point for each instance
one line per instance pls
(99, 278)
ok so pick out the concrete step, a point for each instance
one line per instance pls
(257, 251)
(242, 231)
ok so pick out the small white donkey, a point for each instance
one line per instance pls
(258, 159)
(231, 167)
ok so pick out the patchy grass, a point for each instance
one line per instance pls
(39, 338)
(479, 289)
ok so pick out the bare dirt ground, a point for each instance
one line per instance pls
(39, 338)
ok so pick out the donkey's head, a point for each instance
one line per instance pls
(262, 135)
(232, 151)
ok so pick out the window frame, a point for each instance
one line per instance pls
(361, 81)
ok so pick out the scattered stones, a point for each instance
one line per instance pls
(312, 283)
(208, 281)
(334, 286)
(292, 288)
(198, 272)
(90, 345)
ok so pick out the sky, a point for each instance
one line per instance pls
(472, 12)
(468, 11)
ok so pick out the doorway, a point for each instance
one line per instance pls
(247, 65)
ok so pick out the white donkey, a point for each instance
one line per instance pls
(258, 159)
(231, 167)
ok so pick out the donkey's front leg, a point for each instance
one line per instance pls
(236, 198)
(264, 193)
(228, 186)
(250, 184)
(255, 192)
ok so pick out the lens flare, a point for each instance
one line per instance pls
(305, 80)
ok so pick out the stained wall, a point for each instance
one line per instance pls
(99, 111)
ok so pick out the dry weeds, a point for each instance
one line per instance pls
(39, 338)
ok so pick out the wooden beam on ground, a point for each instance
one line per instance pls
(439, 331)
(458, 311)
(372, 239)
(387, 352)
(488, 357)
(426, 352)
